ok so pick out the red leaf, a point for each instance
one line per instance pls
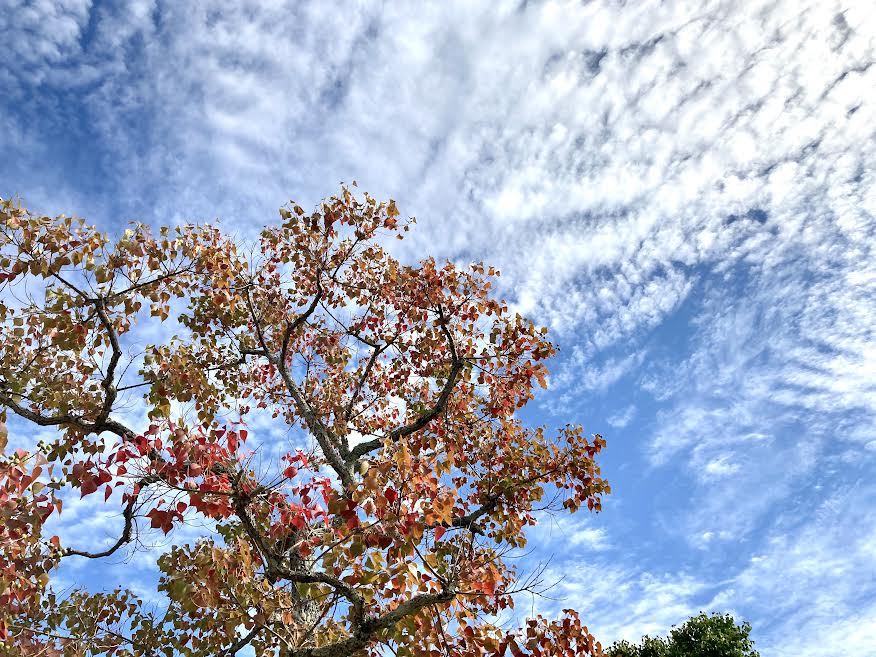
(156, 517)
(162, 520)
(89, 485)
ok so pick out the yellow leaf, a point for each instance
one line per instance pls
(542, 381)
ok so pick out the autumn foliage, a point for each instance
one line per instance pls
(384, 524)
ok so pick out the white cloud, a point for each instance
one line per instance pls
(572, 535)
(810, 575)
(42, 34)
(594, 164)
(780, 380)
(623, 418)
(624, 603)
(720, 467)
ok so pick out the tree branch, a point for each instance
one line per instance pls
(348, 411)
(76, 421)
(305, 577)
(491, 502)
(456, 364)
(127, 532)
(323, 436)
(370, 626)
(241, 643)
(158, 279)
(364, 448)
(299, 321)
(108, 381)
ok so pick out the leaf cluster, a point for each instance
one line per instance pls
(386, 527)
(715, 635)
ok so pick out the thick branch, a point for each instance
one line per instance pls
(468, 521)
(108, 381)
(364, 448)
(423, 420)
(76, 421)
(492, 501)
(323, 436)
(305, 577)
(365, 632)
(240, 509)
(274, 568)
(102, 421)
(299, 322)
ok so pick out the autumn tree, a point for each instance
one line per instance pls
(386, 531)
(704, 635)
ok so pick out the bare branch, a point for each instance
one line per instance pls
(370, 626)
(348, 411)
(423, 420)
(299, 321)
(127, 532)
(108, 381)
(242, 642)
(364, 448)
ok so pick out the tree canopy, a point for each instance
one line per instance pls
(716, 635)
(372, 505)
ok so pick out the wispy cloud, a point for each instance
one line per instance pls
(625, 603)
(810, 575)
(623, 417)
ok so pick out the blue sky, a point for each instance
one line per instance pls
(684, 192)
